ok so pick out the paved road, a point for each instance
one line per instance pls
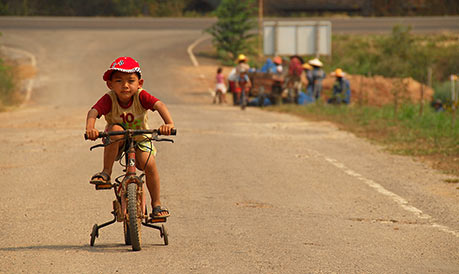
(340, 25)
(250, 192)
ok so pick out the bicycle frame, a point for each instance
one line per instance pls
(132, 178)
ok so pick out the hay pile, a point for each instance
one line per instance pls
(378, 91)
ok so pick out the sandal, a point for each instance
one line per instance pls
(95, 180)
(157, 210)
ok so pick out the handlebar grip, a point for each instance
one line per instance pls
(174, 131)
(101, 135)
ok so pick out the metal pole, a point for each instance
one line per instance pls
(276, 34)
(260, 28)
(317, 39)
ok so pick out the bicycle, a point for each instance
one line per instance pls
(129, 191)
(244, 99)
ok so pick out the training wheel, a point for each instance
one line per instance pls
(94, 234)
(164, 235)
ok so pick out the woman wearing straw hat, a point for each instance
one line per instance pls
(317, 76)
(306, 78)
(341, 89)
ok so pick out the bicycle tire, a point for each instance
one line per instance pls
(133, 207)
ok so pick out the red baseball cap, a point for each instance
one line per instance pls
(123, 64)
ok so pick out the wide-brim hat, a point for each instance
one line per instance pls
(277, 60)
(315, 62)
(307, 66)
(339, 72)
(241, 57)
(123, 64)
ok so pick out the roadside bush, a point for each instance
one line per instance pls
(7, 87)
(231, 33)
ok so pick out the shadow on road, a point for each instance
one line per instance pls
(103, 248)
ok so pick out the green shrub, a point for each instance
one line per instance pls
(7, 85)
(231, 33)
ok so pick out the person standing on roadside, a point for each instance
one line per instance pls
(307, 79)
(293, 78)
(278, 62)
(220, 87)
(241, 66)
(317, 76)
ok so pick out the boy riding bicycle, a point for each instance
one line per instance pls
(124, 107)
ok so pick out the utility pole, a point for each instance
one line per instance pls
(260, 28)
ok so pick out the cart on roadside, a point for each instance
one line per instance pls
(266, 85)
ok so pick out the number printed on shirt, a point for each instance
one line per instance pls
(127, 117)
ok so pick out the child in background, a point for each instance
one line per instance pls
(220, 88)
(124, 107)
(244, 85)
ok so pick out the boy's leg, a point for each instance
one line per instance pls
(111, 151)
(151, 176)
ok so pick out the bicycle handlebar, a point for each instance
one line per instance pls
(134, 132)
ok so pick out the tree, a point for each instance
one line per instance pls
(231, 31)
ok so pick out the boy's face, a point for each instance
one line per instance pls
(125, 85)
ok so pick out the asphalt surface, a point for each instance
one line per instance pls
(249, 191)
(360, 25)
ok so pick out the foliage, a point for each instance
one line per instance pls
(231, 31)
(443, 92)
(7, 86)
(101, 7)
(401, 54)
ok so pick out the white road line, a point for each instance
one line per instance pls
(190, 50)
(396, 198)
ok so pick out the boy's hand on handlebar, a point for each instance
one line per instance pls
(92, 134)
(166, 129)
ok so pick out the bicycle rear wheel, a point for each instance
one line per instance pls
(134, 212)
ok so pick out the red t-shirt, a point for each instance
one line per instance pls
(104, 105)
(295, 67)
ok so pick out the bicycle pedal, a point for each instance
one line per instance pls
(157, 220)
(103, 186)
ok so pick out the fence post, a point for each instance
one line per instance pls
(453, 99)
(360, 90)
(429, 76)
(421, 108)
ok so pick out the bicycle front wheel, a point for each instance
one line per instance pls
(134, 212)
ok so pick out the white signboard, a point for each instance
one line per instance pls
(297, 38)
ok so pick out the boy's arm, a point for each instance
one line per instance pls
(91, 131)
(167, 118)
